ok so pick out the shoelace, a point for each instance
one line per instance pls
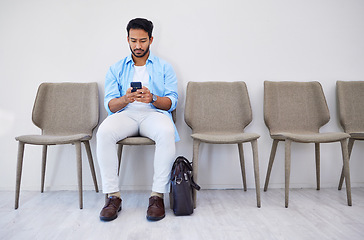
(109, 203)
(154, 202)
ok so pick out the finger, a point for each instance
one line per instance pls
(144, 90)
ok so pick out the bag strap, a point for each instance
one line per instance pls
(186, 163)
(195, 185)
(184, 160)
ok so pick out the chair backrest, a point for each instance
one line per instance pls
(296, 107)
(217, 106)
(350, 97)
(66, 108)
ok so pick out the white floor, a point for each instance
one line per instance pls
(220, 214)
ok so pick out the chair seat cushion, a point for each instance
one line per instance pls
(357, 135)
(136, 141)
(225, 137)
(52, 139)
(312, 137)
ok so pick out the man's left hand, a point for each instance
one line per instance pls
(144, 95)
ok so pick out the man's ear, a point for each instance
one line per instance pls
(150, 40)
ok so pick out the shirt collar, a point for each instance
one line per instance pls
(150, 58)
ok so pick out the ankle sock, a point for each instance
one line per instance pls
(115, 194)
(161, 195)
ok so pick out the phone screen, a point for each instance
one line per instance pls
(135, 86)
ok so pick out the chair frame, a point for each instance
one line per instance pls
(21, 147)
(254, 145)
(350, 148)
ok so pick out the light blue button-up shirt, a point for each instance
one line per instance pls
(162, 82)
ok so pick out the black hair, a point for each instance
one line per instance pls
(140, 23)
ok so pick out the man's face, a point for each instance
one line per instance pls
(139, 42)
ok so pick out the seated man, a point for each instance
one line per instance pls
(145, 112)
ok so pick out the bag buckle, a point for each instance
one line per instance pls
(178, 180)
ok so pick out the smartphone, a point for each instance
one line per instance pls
(135, 86)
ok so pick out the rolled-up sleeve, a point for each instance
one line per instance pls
(171, 86)
(111, 88)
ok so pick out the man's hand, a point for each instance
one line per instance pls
(130, 96)
(117, 104)
(143, 95)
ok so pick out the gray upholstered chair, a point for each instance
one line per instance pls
(350, 97)
(294, 112)
(217, 113)
(136, 140)
(66, 113)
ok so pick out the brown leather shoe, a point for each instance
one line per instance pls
(156, 209)
(111, 209)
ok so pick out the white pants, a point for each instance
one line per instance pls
(149, 123)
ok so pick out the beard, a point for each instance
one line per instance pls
(141, 54)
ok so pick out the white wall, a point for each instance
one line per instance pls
(253, 41)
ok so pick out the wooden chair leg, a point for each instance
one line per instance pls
(19, 172)
(270, 164)
(79, 171)
(120, 152)
(287, 167)
(91, 163)
(350, 148)
(317, 157)
(345, 153)
(242, 164)
(196, 146)
(44, 161)
(256, 170)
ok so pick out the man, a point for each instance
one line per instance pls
(145, 112)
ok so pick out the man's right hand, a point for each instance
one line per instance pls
(130, 96)
(117, 104)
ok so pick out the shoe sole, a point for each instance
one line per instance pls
(107, 219)
(150, 218)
